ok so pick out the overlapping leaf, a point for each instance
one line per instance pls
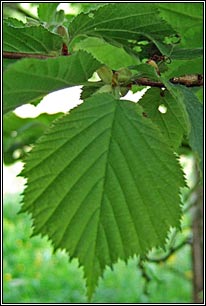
(29, 79)
(103, 184)
(173, 122)
(35, 39)
(122, 22)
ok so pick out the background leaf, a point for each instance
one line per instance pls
(29, 79)
(194, 111)
(19, 133)
(97, 182)
(187, 54)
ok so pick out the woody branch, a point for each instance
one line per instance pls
(189, 80)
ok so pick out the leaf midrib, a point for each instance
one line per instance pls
(104, 182)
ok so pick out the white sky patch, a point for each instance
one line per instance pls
(162, 109)
(67, 8)
(136, 96)
(63, 101)
(58, 101)
(12, 183)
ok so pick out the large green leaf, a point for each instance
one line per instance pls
(122, 22)
(171, 121)
(103, 184)
(29, 79)
(37, 40)
(106, 53)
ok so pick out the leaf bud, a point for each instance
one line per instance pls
(104, 89)
(123, 75)
(123, 91)
(105, 74)
(153, 64)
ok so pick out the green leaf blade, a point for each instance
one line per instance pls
(122, 22)
(173, 122)
(37, 40)
(107, 54)
(47, 11)
(95, 181)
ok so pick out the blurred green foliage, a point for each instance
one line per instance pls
(20, 133)
(32, 274)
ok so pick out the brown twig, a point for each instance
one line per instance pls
(147, 82)
(189, 80)
(20, 55)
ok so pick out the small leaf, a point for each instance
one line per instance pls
(29, 79)
(103, 184)
(88, 91)
(106, 53)
(147, 71)
(47, 12)
(105, 74)
(195, 112)
(167, 114)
